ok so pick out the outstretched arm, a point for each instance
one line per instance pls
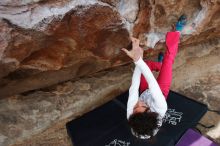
(135, 54)
(133, 91)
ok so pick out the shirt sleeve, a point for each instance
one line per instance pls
(133, 91)
(159, 100)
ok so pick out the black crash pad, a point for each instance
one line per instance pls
(107, 125)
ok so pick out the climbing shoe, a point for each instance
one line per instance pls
(160, 57)
(181, 23)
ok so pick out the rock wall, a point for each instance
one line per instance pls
(48, 42)
(51, 51)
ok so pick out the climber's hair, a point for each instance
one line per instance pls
(143, 123)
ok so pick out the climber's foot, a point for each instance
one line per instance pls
(160, 57)
(181, 23)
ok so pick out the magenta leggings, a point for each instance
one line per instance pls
(164, 78)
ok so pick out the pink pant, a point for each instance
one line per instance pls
(165, 76)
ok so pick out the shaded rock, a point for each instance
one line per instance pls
(34, 112)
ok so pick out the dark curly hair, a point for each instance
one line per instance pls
(144, 123)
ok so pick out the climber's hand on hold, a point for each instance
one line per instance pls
(136, 51)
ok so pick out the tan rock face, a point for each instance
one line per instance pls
(30, 118)
(68, 39)
(88, 32)
(46, 42)
(86, 39)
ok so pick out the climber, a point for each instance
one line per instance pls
(145, 113)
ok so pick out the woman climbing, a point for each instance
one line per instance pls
(145, 113)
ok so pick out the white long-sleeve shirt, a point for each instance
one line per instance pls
(153, 96)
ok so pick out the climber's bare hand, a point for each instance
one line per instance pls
(136, 51)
